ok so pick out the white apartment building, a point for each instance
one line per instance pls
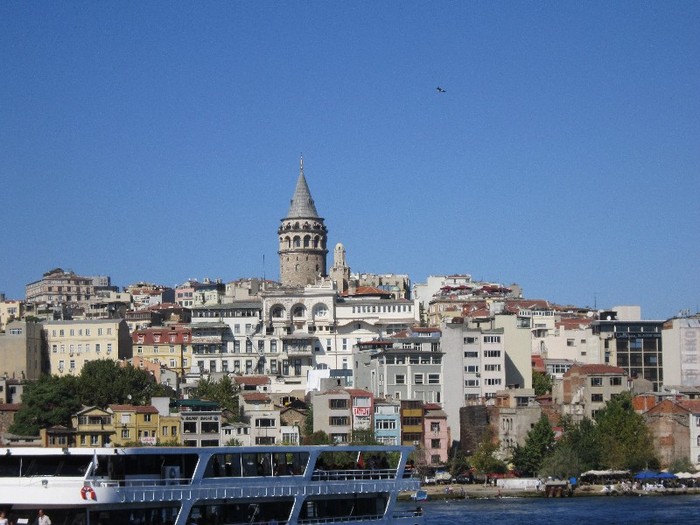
(681, 351)
(474, 367)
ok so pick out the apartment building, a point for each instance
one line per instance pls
(680, 339)
(436, 432)
(405, 366)
(73, 343)
(387, 421)
(170, 346)
(474, 366)
(10, 311)
(22, 351)
(260, 412)
(584, 389)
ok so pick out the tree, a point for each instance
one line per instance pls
(539, 443)
(318, 438)
(484, 459)
(49, 401)
(104, 382)
(564, 462)
(583, 441)
(624, 438)
(541, 382)
(224, 392)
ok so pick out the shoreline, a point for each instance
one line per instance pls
(454, 491)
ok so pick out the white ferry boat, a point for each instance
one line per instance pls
(207, 486)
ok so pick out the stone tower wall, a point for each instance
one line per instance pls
(302, 251)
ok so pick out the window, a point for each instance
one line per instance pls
(471, 369)
(435, 443)
(570, 342)
(434, 427)
(596, 381)
(492, 368)
(125, 433)
(471, 355)
(264, 423)
(400, 379)
(492, 339)
(417, 379)
(433, 379)
(492, 353)
(471, 382)
(615, 381)
(147, 418)
(338, 420)
(337, 404)
(469, 340)
(597, 398)
(493, 381)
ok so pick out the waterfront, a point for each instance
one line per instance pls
(667, 510)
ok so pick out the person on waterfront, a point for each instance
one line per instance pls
(418, 511)
(3, 518)
(42, 519)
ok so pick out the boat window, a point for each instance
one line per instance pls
(257, 464)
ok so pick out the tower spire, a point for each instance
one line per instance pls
(302, 205)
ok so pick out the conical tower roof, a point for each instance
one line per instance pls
(302, 205)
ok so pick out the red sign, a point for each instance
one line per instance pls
(360, 411)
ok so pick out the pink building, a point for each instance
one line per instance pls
(436, 434)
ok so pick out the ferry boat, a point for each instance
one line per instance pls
(210, 485)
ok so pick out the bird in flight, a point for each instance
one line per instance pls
(440, 90)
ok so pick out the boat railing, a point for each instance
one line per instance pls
(352, 474)
(415, 515)
(342, 519)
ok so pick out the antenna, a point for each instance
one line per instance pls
(263, 266)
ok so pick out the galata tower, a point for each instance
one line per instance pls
(302, 236)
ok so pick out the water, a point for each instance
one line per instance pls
(666, 510)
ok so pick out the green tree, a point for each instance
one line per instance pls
(484, 459)
(584, 442)
(49, 401)
(309, 420)
(563, 462)
(541, 382)
(458, 463)
(539, 443)
(624, 438)
(104, 382)
(318, 438)
(224, 392)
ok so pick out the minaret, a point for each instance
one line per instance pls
(302, 237)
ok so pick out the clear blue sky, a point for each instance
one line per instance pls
(160, 141)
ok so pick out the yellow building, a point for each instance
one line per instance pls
(117, 425)
(135, 424)
(171, 346)
(94, 427)
(71, 344)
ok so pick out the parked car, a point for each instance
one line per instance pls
(442, 476)
(464, 477)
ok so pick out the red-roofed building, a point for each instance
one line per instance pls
(584, 389)
(260, 412)
(252, 383)
(170, 346)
